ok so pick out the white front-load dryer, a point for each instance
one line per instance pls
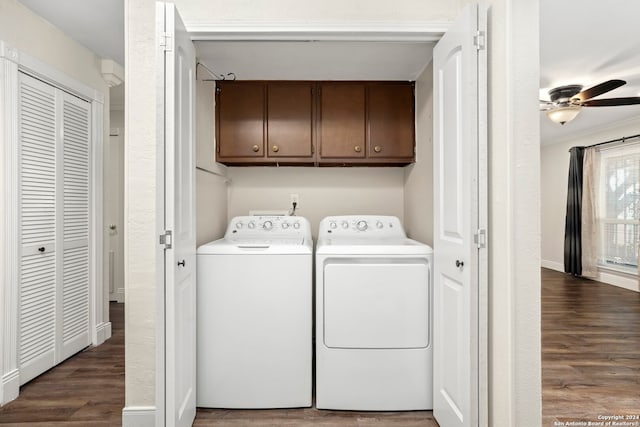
(374, 346)
(254, 315)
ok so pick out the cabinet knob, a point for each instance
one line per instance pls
(357, 149)
(255, 148)
(377, 148)
(275, 148)
(41, 249)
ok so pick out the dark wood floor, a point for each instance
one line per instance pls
(311, 417)
(590, 367)
(590, 350)
(85, 390)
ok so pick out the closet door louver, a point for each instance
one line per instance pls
(37, 319)
(75, 229)
(55, 135)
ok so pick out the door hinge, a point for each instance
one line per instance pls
(165, 239)
(479, 40)
(480, 238)
(166, 41)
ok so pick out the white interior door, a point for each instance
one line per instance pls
(457, 124)
(180, 259)
(38, 125)
(73, 291)
(115, 214)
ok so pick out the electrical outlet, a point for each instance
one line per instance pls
(293, 198)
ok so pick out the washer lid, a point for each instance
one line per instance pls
(254, 247)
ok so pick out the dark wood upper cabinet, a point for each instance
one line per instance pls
(282, 122)
(342, 121)
(391, 129)
(240, 114)
(290, 120)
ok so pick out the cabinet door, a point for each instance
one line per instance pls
(74, 291)
(341, 121)
(240, 115)
(290, 120)
(391, 132)
(37, 127)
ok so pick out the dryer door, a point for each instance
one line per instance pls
(377, 303)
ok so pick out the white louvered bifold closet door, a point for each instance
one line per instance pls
(75, 230)
(55, 136)
(38, 136)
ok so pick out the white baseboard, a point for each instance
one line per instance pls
(552, 265)
(610, 278)
(103, 332)
(117, 296)
(630, 283)
(10, 386)
(139, 416)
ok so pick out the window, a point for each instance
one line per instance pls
(619, 207)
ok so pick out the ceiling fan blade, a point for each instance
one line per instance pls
(596, 90)
(612, 102)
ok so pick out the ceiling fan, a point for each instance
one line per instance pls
(566, 101)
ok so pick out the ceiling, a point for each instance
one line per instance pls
(581, 42)
(97, 24)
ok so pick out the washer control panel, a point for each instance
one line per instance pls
(268, 227)
(378, 226)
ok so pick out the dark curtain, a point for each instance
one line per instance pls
(573, 221)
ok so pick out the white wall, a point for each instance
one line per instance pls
(143, 208)
(554, 173)
(554, 162)
(418, 177)
(301, 12)
(322, 191)
(514, 214)
(211, 189)
(28, 32)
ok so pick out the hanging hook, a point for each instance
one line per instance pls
(229, 76)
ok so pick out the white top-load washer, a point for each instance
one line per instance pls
(373, 316)
(254, 315)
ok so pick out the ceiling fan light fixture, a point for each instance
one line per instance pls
(563, 114)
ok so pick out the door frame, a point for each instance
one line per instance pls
(12, 62)
(425, 31)
(111, 269)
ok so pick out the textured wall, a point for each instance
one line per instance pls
(514, 214)
(143, 211)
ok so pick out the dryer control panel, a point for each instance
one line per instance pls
(370, 226)
(268, 228)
